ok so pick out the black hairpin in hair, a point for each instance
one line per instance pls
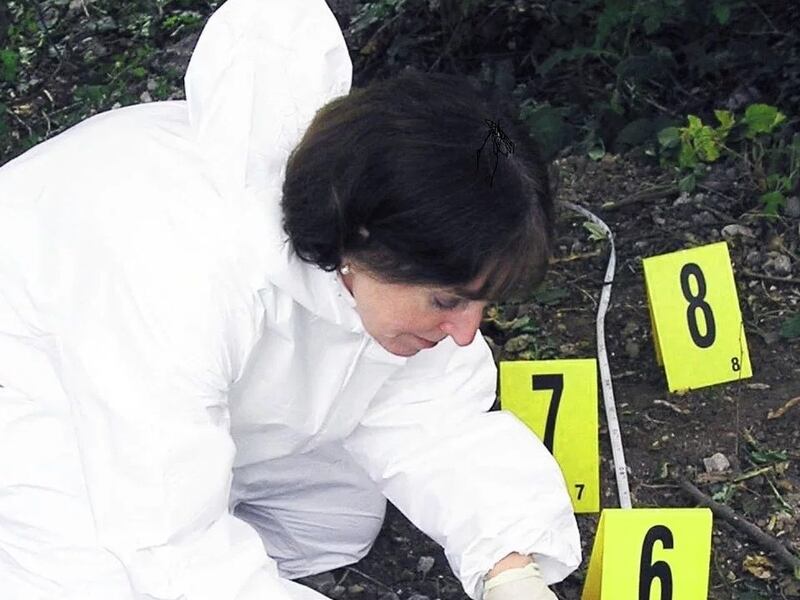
(500, 143)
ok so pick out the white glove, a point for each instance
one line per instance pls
(520, 583)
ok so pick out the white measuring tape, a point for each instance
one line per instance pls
(617, 450)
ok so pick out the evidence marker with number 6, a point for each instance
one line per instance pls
(698, 330)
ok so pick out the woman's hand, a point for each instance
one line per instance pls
(516, 577)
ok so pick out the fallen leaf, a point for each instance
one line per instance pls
(779, 412)
(758, 566)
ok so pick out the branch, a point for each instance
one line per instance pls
(755, 533)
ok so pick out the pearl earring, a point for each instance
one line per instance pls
(345, 270)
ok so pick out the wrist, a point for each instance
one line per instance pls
(511, 561)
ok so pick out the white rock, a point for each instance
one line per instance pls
(734, 229)
(425, 564)
(716, 463)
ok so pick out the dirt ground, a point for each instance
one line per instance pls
(659, 428)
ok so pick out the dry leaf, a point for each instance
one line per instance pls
(758, 566)
(777, 413)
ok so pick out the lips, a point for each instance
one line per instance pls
(425, 343)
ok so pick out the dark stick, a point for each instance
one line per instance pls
(770, 543)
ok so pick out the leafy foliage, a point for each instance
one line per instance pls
(113, 50)
(591, 75)
(755, 141)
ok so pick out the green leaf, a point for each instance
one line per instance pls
(547, 126)
(688, 183)
(722, 12)
(706, 144)
(550, 295)
(9, 65)
(791, 327)
(597, 152)
(772, 201)
(669, 137)
(596, 233)
(695, 123)
(726, 121)
(687, 159)
(762, 118)
(761, 457)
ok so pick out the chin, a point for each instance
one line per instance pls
(402, 351)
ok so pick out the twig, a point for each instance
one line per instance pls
(752, 275)
(775, 491)
(20, 121)
(370, 578)
(653, 193)
(775, 414)
(753, 473)
(752, 531)
(571, 257)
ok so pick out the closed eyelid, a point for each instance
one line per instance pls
(449, 302)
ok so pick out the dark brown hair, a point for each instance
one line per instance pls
(391, 177)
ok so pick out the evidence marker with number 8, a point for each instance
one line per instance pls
(697, 324)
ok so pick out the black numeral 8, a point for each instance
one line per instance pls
(697, 302)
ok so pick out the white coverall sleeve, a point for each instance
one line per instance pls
(480, 484)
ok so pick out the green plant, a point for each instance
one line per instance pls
(791, 327)
(755, 141)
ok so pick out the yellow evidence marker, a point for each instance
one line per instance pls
(557, 400)
(697, 325)
(650, 554)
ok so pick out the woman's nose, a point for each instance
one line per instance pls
(462, 324)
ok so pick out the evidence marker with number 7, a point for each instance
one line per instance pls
(557, 400)
(697, 325)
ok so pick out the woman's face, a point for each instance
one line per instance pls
(405, 318)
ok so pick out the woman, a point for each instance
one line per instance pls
(197, 407)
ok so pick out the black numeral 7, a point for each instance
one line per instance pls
(555, 383)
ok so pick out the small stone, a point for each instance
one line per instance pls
(716, 463)
(704, 218)
(418, 597)
(632, 349)
(145, 97)
(792, 207)
(337, 592)
(684, 198)
(734, 229)
(321, 582)
(425, 564)
(753, 258)
(758, 386)
(780, 265)
(355, 589)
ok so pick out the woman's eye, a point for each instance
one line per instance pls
(444, 303)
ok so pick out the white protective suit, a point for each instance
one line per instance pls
(165, 357)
